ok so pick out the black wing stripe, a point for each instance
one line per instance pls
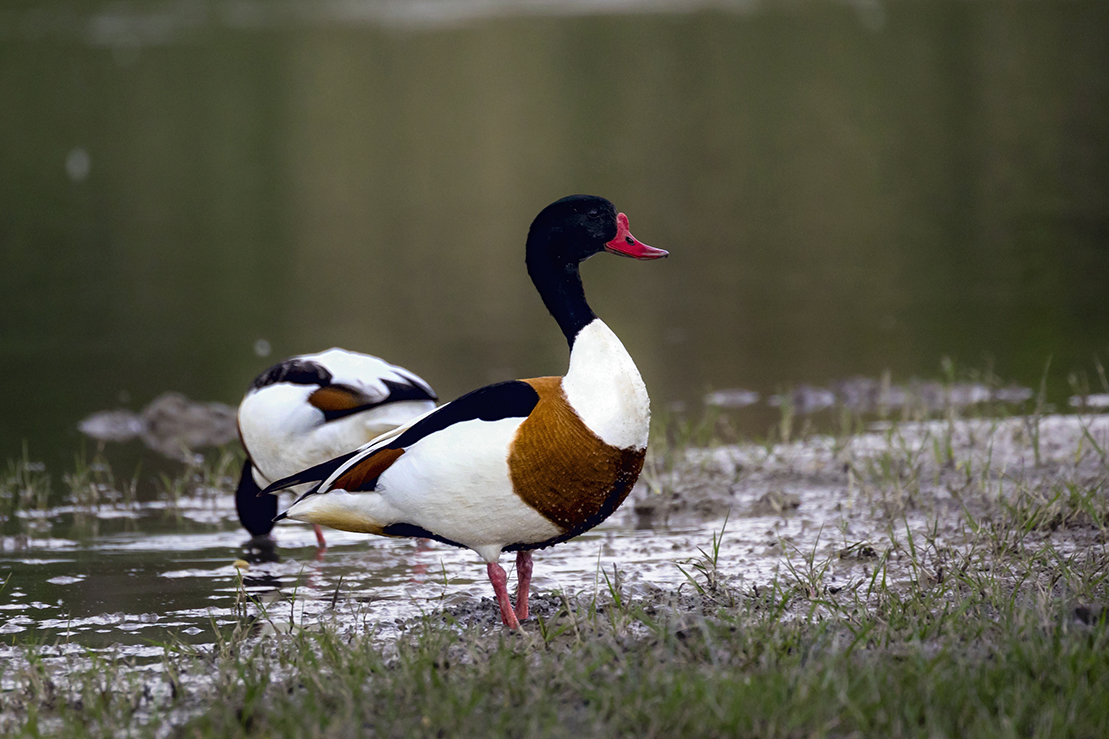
(418, 532)
(512, 399)
(295, 371)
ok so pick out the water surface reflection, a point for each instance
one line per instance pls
(844, 189)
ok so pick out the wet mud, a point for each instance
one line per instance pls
(762, 511)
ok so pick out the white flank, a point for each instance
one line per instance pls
(604, 387)
(454, 483)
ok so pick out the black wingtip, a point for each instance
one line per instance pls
(277, 487)
(280, 516)
(413, 389)
(318, 473)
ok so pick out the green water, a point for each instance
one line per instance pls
(844, 189)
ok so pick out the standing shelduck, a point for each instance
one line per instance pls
(518, 465)
(312, 408)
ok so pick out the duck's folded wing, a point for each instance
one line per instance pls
(374, 379)
(359, 470)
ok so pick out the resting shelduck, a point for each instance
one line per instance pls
(518, 465)
(312, 408)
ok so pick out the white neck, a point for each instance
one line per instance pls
(604, 387)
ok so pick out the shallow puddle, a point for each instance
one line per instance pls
(139, 588)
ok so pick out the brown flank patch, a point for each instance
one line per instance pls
(336, 398)
(363, 476)
(563, 470)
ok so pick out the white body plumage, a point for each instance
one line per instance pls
(283, 432)
(312, 408)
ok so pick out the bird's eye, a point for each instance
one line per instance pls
(593, 213)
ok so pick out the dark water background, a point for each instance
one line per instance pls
(845, 188)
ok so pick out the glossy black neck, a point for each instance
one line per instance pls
(559, 284)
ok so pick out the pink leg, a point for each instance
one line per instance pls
(523, 583)
(320, 541)
(499, 579)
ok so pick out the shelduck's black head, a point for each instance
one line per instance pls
(565, 233)
(570, 230)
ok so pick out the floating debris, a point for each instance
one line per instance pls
(171, 425)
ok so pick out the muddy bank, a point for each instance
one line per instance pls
(918, 465)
